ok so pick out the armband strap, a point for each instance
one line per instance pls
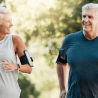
(23, 60)
(59, 59)
(26, 59)
(62, 61)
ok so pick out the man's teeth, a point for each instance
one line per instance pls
(86, 25)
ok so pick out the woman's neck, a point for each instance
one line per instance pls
(2, 37)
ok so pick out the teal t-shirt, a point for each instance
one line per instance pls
(82, 56)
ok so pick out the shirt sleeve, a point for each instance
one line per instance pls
(62, 52)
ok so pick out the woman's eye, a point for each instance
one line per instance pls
(8, 21)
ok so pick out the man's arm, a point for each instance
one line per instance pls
(62, 72)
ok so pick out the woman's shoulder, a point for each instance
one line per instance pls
(16, 38)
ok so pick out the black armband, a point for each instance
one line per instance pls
(59, 59)
(26, 59)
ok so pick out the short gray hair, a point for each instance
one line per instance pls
(3, 11)
(90, 5)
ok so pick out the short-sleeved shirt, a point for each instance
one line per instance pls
(81, 55)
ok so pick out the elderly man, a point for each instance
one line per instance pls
(80, 51)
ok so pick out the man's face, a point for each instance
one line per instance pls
(89, 20)
(6, 24)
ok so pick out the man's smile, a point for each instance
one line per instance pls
(87, 24)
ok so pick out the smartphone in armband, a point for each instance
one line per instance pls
(29, 59)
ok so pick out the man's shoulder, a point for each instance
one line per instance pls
(73, 36)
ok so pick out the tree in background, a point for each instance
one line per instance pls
(28, 89)
(2, 1)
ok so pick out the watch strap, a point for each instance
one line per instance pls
(18, 66)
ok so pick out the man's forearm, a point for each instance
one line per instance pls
(60, 74)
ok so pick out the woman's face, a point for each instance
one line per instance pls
(6, 24)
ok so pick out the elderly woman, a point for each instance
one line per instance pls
(9, 45)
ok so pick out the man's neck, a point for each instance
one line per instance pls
(91, 35)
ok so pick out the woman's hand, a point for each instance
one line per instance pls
(9, 66)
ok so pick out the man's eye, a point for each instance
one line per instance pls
(90, 16)
(84, 16)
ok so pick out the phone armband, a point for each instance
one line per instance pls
(26, 59)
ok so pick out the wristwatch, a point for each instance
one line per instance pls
(18, 66)
(63, 92)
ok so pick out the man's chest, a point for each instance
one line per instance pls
(82, 53)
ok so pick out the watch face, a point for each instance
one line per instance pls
(18, 65)
(28, 58)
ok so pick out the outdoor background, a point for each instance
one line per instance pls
(43, 24)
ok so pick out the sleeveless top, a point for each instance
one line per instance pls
(82, 56)
(9, 87)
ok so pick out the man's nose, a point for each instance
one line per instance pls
(86, 19)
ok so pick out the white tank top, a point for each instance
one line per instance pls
(9, 87)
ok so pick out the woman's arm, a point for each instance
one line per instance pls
(19, 48)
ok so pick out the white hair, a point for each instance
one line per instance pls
(3, 11)
(90, 5)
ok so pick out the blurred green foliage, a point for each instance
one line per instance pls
(2, 1)
(28, 89)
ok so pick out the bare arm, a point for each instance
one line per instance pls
(62, 72)
(19, 48)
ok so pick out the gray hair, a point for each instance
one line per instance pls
(3, 11)
(90, 5)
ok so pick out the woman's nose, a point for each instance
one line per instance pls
(11, 24)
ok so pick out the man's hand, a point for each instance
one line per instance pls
(63, 94)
